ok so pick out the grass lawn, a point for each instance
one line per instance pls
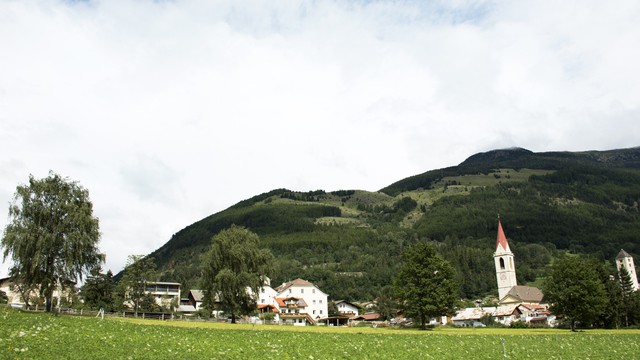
(44, 336)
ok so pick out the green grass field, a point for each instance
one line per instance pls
(44, 336)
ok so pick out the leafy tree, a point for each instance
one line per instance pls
(233, 264)
(614, 311)
(575, 291)
(98, 290)
(626, 291)
(52, 235)
(425, 284)
(139, 269)
(385, 304)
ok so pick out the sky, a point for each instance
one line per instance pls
(170, 111)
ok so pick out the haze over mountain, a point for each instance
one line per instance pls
(349, 242)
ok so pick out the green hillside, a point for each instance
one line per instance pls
(349, 241)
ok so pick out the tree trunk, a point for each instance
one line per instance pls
(233, 318)
(48, 300)
(573, 325)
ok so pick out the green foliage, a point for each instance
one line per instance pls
(52, 235)
(425, 284)
(98, 290)
(350, 242)
(233, 264)
(3, 297)
(575, 291)
(29, 336)
(131, 287)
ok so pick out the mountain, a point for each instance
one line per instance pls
(349, 242)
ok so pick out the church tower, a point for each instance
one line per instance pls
(624, 260)
(505, 267)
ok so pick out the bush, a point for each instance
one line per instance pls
(519, 325)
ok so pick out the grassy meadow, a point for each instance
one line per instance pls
(44, 336)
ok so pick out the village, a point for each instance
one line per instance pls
(302, 303)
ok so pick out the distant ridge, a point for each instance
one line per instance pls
(351, 241)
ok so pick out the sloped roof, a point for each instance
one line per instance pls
(297, 282)
(282, 301)
(267, 306)
(525, 294)
(622, 254)
(186, 308)
(474, 313)
(505, 310)
(367, 317)
(346, 302)
(198, 295)
(502, 244)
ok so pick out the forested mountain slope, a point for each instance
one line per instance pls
(349, 242)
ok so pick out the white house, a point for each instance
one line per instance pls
(314, 301)
(347, 308)
(14, 298)
(166, 294)
(470, 317)
(506, 314)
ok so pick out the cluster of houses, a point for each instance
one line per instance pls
(300, 302)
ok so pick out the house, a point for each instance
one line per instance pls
(293, 311)
(537, 314)
(522, 295)
(14, 297)
(470, 317)
(166, 294)
(195, 298)
(346, 308)
(506, 314)
(369, 305)
(311, 300)
(372, 316)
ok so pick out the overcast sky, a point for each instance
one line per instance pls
(169, 111)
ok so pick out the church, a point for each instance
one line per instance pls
(509, 292)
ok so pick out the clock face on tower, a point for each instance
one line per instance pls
(503, 276)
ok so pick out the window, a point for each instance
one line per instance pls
(314, 302)
(262, 301)
(289, 291)
(301, 291)
(501, 264)
(313, 291)
(263, 290)
(320, 301)
(314, 312)
(320, 312)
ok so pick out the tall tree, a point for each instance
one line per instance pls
(575, 291)
(626, 290)
(52, 235)
(98, 290)
(137, 272)
(425, 284)
(233, 264)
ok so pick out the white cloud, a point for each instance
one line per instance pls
(170, 111)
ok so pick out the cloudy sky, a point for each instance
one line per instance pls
(169, 111)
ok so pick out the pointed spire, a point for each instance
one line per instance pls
(622, 254)
(501, 242)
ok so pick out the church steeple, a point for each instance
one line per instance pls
(624, 260)
(505, 267)
(501, 243)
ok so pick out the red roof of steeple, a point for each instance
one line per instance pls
(502, 239)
